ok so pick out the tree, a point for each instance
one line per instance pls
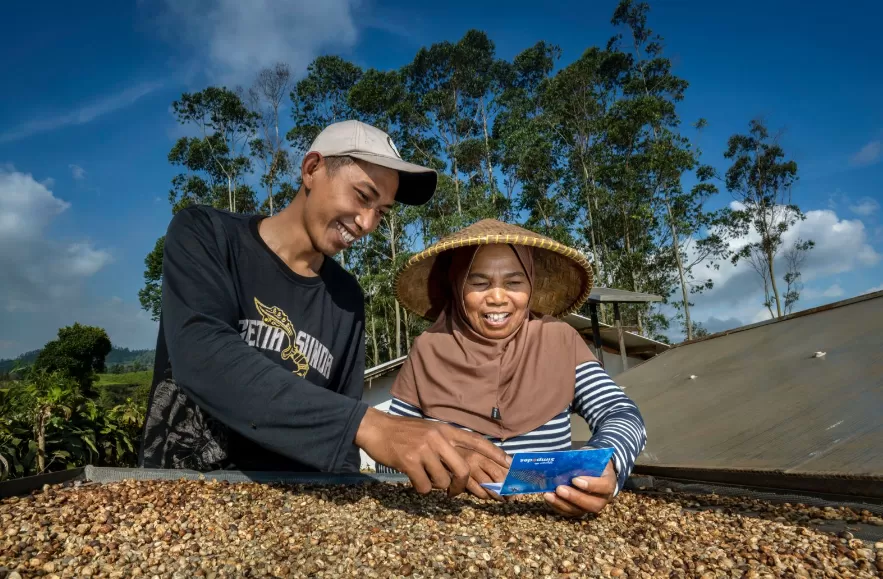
(150, 295)
(321, 98)
(454, 89)
(761, 180)
(51, 394)
(78, 353)
(665, 156)
(227, 127)
(578, 99)
(524, 133)
(266, 98)
(794, 258)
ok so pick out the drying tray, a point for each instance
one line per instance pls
(637, 483)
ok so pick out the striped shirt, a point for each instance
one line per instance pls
(613, 418)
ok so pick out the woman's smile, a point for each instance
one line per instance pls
(496, 292)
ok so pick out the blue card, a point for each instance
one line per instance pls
(541, 472)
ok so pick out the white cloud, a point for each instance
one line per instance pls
(77, 172)
(868, 155)
(43, 281)
(85, 114)
(865, 207)
(842, 246)
(233, 40)
(875, 289)
(36, 268)
(834, 291)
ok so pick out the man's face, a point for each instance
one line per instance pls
(347, 205)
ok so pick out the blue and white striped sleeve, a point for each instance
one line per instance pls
(613, 418)
(399, 408)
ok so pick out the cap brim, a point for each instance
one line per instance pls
(416, 184)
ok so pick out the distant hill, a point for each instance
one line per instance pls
(116, 357)
(25, 359)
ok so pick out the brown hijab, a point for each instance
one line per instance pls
(500, 388)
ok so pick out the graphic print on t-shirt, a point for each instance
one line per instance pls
(274, 328)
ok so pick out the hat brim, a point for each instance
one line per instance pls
(417, 184)
(562, 275)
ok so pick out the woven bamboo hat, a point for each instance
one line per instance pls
(562, 275)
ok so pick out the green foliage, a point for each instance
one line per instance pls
(760, 180)
(47, 424)
(321, 98)
(593, 154)
(78, 353)
(150, 295)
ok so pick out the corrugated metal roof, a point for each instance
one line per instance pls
(757, 398)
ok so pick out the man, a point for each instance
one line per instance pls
(260, 354)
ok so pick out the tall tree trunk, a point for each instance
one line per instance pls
(631, 268)
(389, 349)
(42, 419)
(407, 317)
(374, 339)
(398, 330)
(454, 154)
(275, 149)
(487, 149)
(595, 254)
(676, 245)
(769, 255)
(230, 194)
(392, 252)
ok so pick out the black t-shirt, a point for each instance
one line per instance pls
(257, 367)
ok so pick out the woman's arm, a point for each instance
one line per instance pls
(399, 408)
(614, 419)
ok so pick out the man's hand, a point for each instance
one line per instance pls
(591, 494)
(484, 470)
(426, 451)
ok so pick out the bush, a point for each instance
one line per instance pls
(48, 424)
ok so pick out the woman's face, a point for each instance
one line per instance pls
(496, 292)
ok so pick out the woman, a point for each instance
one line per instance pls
(497, 362)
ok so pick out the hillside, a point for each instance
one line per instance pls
(116, 357)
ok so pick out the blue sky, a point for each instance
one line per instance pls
(85, 126)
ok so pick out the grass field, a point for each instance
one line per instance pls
(115, 388)
(134, 378)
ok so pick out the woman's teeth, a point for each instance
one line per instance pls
(496, 318)
(347, 238)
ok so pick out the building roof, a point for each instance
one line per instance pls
(636, 345)
(800, 395)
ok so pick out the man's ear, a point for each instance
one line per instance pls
(311, 163)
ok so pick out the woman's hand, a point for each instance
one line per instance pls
(591, 494)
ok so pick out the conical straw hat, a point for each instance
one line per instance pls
(563, 276)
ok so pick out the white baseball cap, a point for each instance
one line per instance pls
(362, 141)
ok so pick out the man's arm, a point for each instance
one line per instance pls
(354, 382)
(229, 379)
